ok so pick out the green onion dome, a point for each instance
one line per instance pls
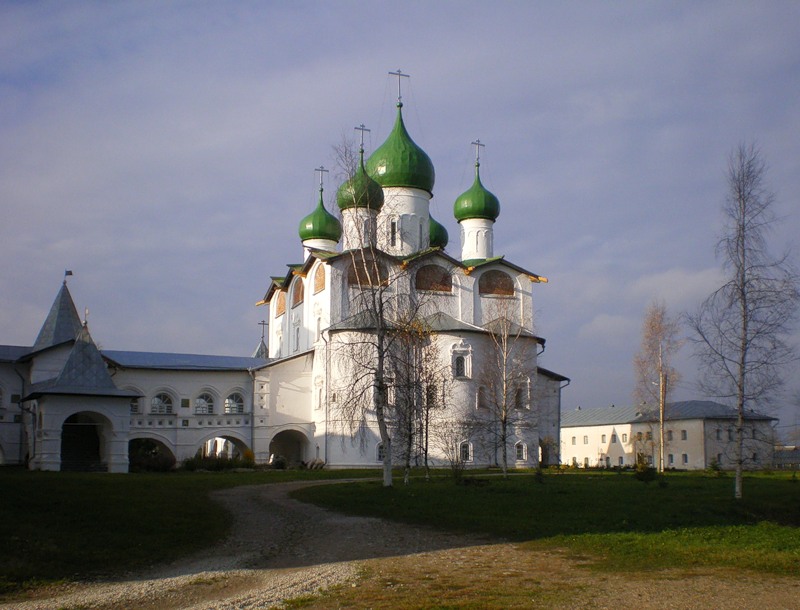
(360, 191)
(438, 234)
(320, 224)
(400, 162)
(477, 202)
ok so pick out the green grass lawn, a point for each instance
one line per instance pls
(62, 526)
(624, 523)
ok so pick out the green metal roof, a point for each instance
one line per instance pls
(438, 234)
(477, 201)
(320, 224)
(400, 162)
(360, 191)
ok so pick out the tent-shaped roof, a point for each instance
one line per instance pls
(62, 323)
(83, 373)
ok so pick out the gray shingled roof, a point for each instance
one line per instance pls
(180, 362)
(688, 409)
(83, 373)
(12, 353)
(62, 323)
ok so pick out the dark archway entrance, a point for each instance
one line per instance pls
(81, 438)
(149, 455)
(289, 444)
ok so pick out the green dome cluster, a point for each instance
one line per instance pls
(477, 202)
(320, 224)
(438, 234)
(360, 191)
(400, 162)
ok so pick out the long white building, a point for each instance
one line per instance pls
(65, 404)
(698, 434)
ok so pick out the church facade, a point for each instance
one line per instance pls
(378, 316)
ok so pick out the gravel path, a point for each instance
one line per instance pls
(281, 549)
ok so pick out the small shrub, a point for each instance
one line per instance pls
(645, 473)
(715, 468)
(279, 463)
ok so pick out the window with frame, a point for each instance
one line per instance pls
(624, 438)
(684, 435)
(685, 458)
(465, 452)
(483, 402)
(519, 398)
(719, 434)
(204, 404)
(234, 404)
(585, 440)
(669, 435)
(496, 282)
(671, 459)
(638, 436)
(521, 451)
(161, 404)
(730, 434)
(393, 232)
(135, 405)
(649, 436)
(462, 360)
(602, 438)
(613, 438)
(574, 440)
(380, 452)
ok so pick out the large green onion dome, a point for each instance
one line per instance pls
(477, 202)
(438, 234)
(320, 224)
(400, 162)
(360, 191)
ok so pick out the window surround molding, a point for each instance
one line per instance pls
(461, 354)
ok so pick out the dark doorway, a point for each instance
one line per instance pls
(80, 444)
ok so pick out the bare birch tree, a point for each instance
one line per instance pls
(741, 329)
(652, 364)
(509, 369)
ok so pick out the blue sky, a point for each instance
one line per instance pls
(165, 152)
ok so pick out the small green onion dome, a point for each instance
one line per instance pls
(360, 191)
(438, 234)
(320, 224)
(477, 202)
(400, 162)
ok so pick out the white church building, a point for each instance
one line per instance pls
(65, 404)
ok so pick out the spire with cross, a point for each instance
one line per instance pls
(362, 129)
(322, 171)
(478, 145)
(400, 76)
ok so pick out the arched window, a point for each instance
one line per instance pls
(134, 405)
(434, 278)
(465, 452)
(459, 366)
(319, 279)
(521, 451)
(161, 404)
(496, 282)
(280, 303)
(380, 453)
(297, 293)
(234, 403)
(483, 403)
(204, 404)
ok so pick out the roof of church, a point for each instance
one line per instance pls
(399, 161)
(180, 362)
(83, 373)
(552, 374)
(477, 201)
(360, 191)
(62, 323)
(320, 224)
(12, 353)
(688, 409)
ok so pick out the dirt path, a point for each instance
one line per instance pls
(280, 549)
